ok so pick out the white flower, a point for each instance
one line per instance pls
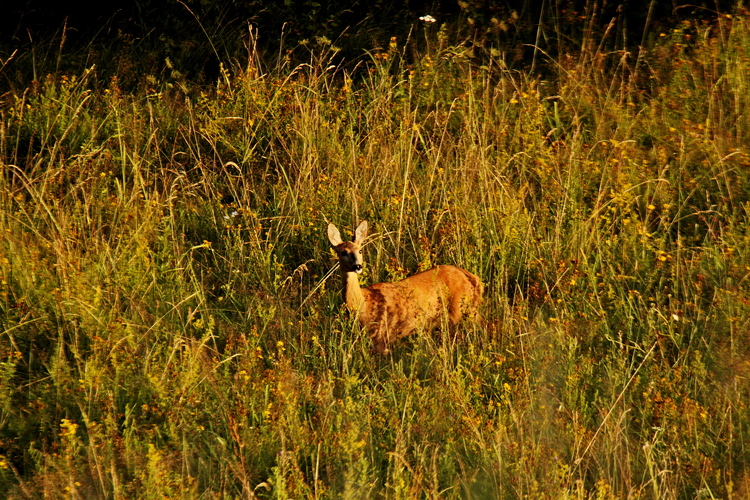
(428, 19)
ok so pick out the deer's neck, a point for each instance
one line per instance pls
(353, 296)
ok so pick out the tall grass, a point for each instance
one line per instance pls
(171, 327)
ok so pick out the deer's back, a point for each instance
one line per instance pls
(395, 310)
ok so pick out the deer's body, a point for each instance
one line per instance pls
(389, 311)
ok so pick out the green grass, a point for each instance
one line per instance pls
(170, 327)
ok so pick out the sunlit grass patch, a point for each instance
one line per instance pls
(171, 325)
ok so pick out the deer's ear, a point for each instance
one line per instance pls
(334, 237)
(361, 233)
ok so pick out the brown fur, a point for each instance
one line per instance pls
(390, 311)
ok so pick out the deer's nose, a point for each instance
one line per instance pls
(358, 268)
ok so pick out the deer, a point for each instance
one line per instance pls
(390, 311)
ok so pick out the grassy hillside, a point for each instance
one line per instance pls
(170, 309)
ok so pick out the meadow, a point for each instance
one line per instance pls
(172, 325)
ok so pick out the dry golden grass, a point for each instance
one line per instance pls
(170, 327)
